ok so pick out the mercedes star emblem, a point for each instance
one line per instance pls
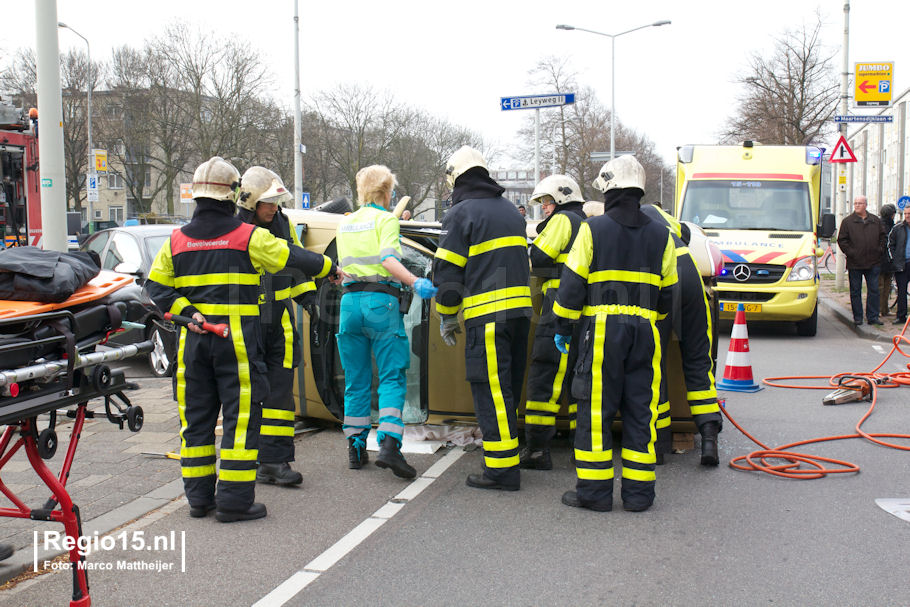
(742, 272)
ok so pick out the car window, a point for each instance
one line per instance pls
(124, 248)
(96, 242)
(153, 245)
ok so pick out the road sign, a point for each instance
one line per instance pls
(902, 202)
(855, 118)
(842, 152)
(100, 161)
(91, 181)
(305, 200)
(186, 193)
(872, 84)
(533, 102)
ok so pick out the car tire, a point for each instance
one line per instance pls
(160, 363)
(808, 327)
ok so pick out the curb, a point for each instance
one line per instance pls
(23, 560)
(846, 317)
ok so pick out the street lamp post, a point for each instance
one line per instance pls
(613, 38)
(88, 121)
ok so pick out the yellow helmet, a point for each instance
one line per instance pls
(463, 159)
(562, 188)
(216, 178)
(622, 172)
(259, 184)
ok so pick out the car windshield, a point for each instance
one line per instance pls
(153, 244)
(748, 205)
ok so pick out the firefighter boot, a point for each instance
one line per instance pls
(535, 455)
(390, 457)
(255, 511)
(709, 444)
(357, 453)
(278, 474)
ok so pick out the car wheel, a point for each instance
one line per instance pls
(160, 361)
(808, 327)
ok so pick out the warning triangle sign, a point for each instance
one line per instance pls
(842, 152)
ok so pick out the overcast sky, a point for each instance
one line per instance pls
(456, 59)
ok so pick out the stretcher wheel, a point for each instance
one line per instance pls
(101, 377)
(134, 418)
(47, 443)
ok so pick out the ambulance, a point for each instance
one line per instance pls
(760, 205)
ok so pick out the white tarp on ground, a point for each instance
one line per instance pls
(429, 439)
(899, 507)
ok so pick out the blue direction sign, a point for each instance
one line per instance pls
(305, 200)
(533, 102)
(855, 118)
(902, 202)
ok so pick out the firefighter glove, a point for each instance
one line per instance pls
(448, 328)
(424, 288)
(562, 342)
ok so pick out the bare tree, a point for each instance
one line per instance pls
(790, 95)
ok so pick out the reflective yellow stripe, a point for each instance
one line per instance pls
(288, 330)
(501, 462)
(562, 257)
(498, 243)
(638, 475)
(240, 455)
(302, 288)
(600, 330)
(498, 306)
(553, 283)
(222, 278)
(500, 445)
(573, 408)
(702, 409)
(203, 451)
(240, 476)
(496, 295)
(179, 304)
(565, 312)
(278, 414)
(701, 394)
(447, 309)
(276, 430)
(161, 278)
(540, 420)
(499, 404)
(616, 309)
(680, 251)
(282, 294)
(663, 407)
(645, 278)
(668, 264)
(536, 405)
(197, 471)
(180, 387)
(326, 266)
(655, 389)
(229, 310)
(587, 474)
(639, 457)
(594, 456)
(663, 422)
(452, 257)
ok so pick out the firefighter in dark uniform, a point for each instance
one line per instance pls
(618, 280)
(482, 268)
(261, 195)
(691, 320)
(209, 269)
(550, 372)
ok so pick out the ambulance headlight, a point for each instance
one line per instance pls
(803, 269)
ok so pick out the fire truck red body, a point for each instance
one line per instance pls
(20, 182)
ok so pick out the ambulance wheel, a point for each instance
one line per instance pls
(101, 377)
(808, 327)
(134, 418)
(47, 443)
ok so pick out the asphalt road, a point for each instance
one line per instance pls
(714, 536)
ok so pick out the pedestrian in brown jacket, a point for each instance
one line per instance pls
(862, 239)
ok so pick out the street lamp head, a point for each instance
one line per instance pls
(659, 23)
(565, 27)
(62, 24)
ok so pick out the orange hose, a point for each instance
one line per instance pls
(787, 464)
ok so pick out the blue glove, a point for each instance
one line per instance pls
(562, 342)
(424, 288)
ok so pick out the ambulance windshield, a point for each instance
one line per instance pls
(748, 205)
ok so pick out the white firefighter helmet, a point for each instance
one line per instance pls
(622, 172)
(216, 178)
(562, 188)
(259, 184)
(463, 159)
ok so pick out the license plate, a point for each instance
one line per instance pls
(730, 306)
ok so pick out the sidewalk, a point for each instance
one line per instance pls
(838, 303)
(110, 480)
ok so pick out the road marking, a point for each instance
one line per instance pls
(878, 349)
(292, 586)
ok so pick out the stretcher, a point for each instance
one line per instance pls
(50, 363)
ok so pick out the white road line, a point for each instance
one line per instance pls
(289, 588)
(878, 349)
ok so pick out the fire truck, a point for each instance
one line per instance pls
(20, 183)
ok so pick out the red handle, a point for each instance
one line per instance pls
(221, 329)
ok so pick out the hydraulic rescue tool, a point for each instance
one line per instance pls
(221, 329)
(852, 388)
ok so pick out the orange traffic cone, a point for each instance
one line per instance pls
(738, 372)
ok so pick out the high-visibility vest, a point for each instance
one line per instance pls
(364, 239)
